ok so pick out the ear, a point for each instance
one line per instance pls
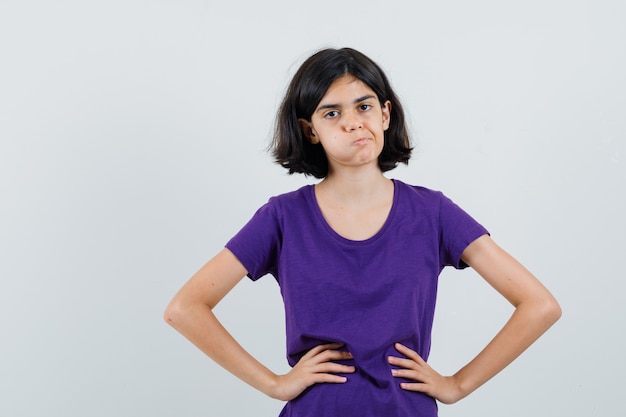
(386, 109)
(308, 131)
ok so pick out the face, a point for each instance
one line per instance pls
(349, 123)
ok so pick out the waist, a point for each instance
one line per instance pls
(361, 396)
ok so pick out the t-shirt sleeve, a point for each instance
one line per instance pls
(457, 230)
(257, 244)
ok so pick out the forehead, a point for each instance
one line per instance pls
(346, 87)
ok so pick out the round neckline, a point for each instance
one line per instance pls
(320, 218)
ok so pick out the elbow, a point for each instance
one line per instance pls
(173, 313)
(557, 312)
(551, 311)
(182, 311)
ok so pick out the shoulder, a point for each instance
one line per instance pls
(289, 202)
(423, 200)
(418, 194)
(299, 196)
(268, 222)
(294, 195)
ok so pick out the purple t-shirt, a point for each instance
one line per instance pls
(366, 294)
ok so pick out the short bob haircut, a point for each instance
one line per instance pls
(294, 151)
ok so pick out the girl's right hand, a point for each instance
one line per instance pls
(315, 367)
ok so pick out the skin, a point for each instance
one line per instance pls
(355, 198)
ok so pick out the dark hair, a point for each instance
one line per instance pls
(293, 150)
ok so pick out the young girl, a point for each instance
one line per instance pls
(357, 257)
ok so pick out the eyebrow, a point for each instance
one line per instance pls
(333, 106)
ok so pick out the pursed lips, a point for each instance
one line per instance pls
(360, 141)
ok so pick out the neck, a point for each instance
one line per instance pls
(354, 186)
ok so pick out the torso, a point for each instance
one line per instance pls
(367, 294)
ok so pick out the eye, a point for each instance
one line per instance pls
(331, 114)
(365, 107)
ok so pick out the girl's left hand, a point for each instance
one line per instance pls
(428, 381)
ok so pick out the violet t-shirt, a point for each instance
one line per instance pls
(366, 294)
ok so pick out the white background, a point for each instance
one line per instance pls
(132, 146)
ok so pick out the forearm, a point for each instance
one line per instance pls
(535, 311)
(200, 326)
(528, 322)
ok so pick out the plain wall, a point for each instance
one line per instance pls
(132, 147)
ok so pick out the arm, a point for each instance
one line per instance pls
(190, 312)
(535, 311)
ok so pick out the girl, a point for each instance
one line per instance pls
(357, 257)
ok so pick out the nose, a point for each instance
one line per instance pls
(352, 121)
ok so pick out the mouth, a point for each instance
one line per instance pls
(360, 141)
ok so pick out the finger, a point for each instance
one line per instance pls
(409, 353)
(403, 363)
(315, 350)
(333, 355)
(335, 368)
(328, 346)
(329, 378)
(409, 374)
(414, 386)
